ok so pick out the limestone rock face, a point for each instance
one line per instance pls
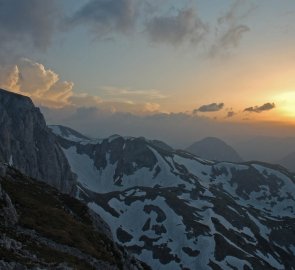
(28, 145)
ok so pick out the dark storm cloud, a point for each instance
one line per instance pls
(106, 16)
(213, 107)
(30, 21)
(185, 26)
(258, 109)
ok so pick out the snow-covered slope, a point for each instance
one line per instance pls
(176, 211)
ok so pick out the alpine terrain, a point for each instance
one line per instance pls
(177, 211)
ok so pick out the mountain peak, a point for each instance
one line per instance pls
(213, 148)
(27, 144)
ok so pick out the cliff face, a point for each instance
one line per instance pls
(28, 145)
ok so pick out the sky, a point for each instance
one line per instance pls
(168, 69)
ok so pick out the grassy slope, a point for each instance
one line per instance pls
(55, 216)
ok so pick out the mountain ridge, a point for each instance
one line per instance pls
(194, 213)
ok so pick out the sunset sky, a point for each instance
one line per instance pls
(222, 60)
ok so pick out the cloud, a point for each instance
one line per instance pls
(229, 29)
(185, 26)
(134, 95)
(168, 127)
(258, 109)
(106, 16)
(213, 107)
(9, 76)
(31, 22)
(230, 114)
(232, 36)
(46, 89)
(34, 80)
(151, 107)
(85, 100)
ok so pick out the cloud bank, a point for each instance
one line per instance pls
(177, 129)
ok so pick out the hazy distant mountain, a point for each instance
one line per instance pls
(268, 149)
(288, 162)
(214, 149)
(177, 211)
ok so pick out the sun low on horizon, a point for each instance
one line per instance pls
(228, 61)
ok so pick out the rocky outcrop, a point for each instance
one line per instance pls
(28, 145)
(41, 228)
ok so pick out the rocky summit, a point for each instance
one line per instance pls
(27, 144)
(174, 210)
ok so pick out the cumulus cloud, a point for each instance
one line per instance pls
(258, 109)
(30, 21)
(34, 80)
(9, 76)
(106, 16)
(46, 89)
(185, 26)
(213, 107)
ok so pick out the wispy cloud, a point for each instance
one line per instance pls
(125, 93)
(230, 28)
(184, 26)
(106, 17)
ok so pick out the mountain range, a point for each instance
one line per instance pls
(169, 208)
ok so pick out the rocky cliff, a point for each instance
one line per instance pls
(28, 145)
